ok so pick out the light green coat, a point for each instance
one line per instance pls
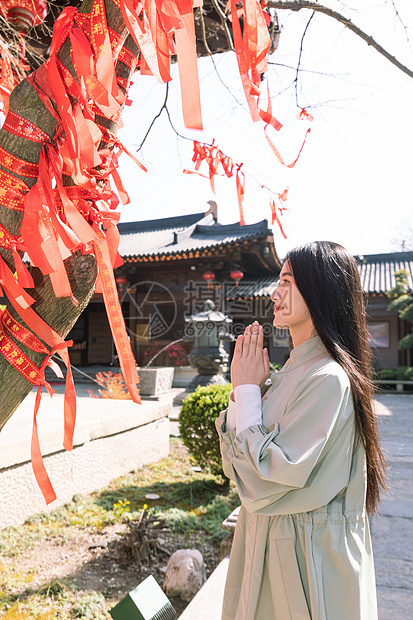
(302, 548)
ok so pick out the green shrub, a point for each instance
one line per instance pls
(197, 425)
(402, 373)
(179, 520)
(274, 366)
(405, 373)
(386, 373)
(90, 606)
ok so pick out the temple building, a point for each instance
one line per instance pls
(173, 265)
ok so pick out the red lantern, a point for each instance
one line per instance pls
(24, 14)
(236, 275)
(209, 277)
(121, 281)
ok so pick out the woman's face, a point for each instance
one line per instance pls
(290, 309)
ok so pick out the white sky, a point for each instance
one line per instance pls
(353, 182)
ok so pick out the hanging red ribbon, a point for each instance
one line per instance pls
(35, 375)
(240, 181)
(282, 198)
(275, 218)
(185, 40)
(214, 158)
(303, 115)
(111, 298)
(278, 155)
(14, 243)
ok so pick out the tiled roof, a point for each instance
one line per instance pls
(183, 234)
(377, 271)
(376, 275)
(260, 287)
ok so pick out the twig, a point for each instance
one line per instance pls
(155, 118)
(224, 23)
(299, 59)
(200, 12)
(400, 20)
(297, 5)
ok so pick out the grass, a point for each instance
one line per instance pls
(191, 502)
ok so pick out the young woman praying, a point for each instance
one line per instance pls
(306, 458)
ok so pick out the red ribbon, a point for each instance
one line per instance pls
(14, 243)
(214, 158)
(240, 181)
(304, 115)
(12, 191)
(20, 126)
(18, 166)
(188, 66)
(111, 299)
(278, 155)
(35, 375)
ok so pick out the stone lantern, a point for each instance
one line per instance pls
(208, 329)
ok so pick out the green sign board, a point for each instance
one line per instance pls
(146, 602)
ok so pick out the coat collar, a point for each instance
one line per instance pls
(304, 353)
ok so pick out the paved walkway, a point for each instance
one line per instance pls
(392, 528)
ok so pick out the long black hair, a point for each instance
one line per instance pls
(327, 277)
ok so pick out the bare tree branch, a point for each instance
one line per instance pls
(155, 118)
(297, 5)
(401, 21)
(297, 73)
(224, 23)
(200, 12)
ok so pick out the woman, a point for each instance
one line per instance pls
(306, 459)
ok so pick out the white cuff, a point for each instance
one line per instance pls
(248, 406)
(231, 414)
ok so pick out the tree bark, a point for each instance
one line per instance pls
(60, 313)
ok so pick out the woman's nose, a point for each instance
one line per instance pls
(274, 295)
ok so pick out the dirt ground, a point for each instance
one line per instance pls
(92, 559)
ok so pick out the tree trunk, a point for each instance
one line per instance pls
(60, 313)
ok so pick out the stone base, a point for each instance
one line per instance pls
(183, 375)
(112, 438)
(155, 381)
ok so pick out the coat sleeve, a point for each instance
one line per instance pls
(268, 463)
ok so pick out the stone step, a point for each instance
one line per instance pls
(207, 603)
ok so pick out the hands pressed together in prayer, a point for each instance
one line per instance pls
(250, 362)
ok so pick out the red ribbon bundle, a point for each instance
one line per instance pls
(215, 158)
(59, 220)
(251, 46)
(282, 198)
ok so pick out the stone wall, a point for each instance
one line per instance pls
(112, 438)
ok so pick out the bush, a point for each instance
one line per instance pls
(197, 425)
(402, 373)
(386, 373)
(405, 373)
(113, 386)
(274, 366)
